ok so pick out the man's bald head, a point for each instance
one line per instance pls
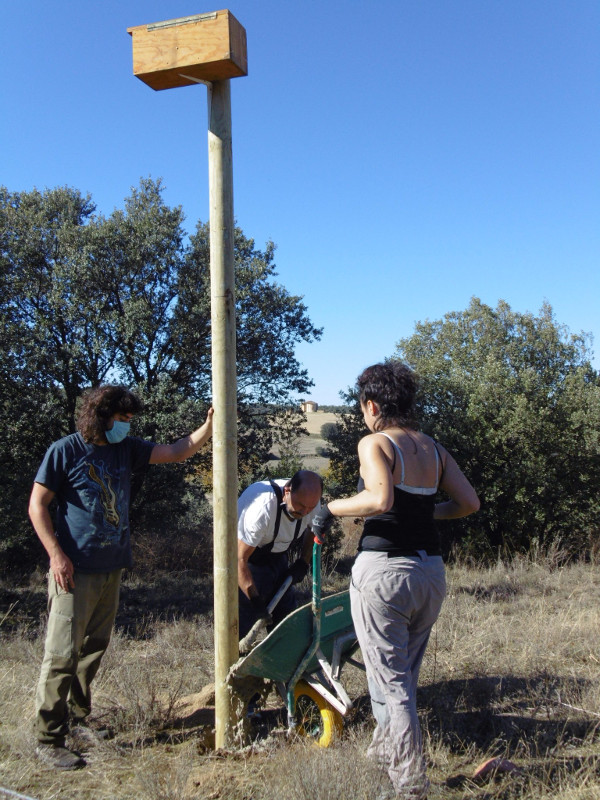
(303, 493)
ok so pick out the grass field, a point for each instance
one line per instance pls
(308, 444)
(512, 670)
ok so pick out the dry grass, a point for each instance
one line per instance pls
(513, 670)
(308, 444)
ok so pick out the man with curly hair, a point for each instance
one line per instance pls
(89, 475)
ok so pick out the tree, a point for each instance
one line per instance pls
(41, 347)
(269, 320)
(343, 471)
(131, 264)
(269, 323)
(125, 298)
(48, 343)
(514, 397)
(289, 427)
(328, 430)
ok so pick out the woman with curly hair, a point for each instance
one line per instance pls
(398, 581)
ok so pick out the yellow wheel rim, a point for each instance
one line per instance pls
(317, 719)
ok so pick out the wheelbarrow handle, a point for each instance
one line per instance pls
(249, 639)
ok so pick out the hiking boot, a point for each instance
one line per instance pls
(59, 757)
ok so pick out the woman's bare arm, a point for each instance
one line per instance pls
(378, 495)
(463, 498)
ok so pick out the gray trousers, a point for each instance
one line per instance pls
(395, 602)
(80, 624)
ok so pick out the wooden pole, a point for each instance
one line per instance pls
(225, 482)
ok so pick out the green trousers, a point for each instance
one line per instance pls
(80, 624)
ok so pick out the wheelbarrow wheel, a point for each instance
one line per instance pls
(316, 717)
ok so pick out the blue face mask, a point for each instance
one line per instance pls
(118, 432)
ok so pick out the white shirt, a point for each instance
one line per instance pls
(257, 512)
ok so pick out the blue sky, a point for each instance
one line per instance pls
(404, 155)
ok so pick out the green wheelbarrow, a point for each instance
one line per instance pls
(304, 656)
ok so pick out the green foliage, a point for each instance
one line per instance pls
(343, 472)
(288, 427)
(515, 399)
(269, 323)
(38, 370)
(328, 433)
(87, 299)
(328, 430)
(513, 396)
(27, 416)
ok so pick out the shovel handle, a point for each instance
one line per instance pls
(249, 639)
(279, 593)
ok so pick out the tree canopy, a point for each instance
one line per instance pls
(88, 299)
(515, 399)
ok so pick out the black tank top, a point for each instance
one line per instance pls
(409, 525)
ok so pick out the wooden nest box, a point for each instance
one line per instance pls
(182, 52)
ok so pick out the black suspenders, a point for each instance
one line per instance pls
(279, 495)
(261, 554)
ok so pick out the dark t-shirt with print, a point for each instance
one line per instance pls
(92, 484)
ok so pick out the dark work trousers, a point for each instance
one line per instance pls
(268, 577)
